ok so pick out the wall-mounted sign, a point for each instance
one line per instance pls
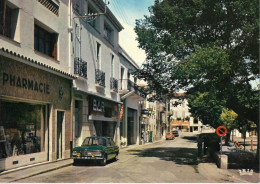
(121, 112)
(98, 105)
(22, 82)
(102, 107)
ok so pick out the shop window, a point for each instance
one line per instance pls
(105, 128)
(78, 117)
(8, 19)
(45, 42)
(21, 128)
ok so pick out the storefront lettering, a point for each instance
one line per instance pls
(98, 106)
(25, 83)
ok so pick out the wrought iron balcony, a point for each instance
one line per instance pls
(114, 84)
(100, 78)
(126, 84)
(80, 67)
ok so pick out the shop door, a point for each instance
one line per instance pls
(131, 117)
(60, 116)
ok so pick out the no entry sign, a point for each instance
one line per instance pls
(221, 131)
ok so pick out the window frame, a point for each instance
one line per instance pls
(112, 65)
(8, 19)
(98, 58)
(49, 40)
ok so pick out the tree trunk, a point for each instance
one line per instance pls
(227, 138)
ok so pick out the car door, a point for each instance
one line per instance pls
(115, 148)
(109, 149)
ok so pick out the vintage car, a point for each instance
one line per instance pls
(96, 148)
(169, 135)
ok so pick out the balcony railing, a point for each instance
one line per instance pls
(100, 77)
(126, 84)
(114, 84)
(80, 67)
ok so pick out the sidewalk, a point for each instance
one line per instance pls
(17, 174)
(32, 170)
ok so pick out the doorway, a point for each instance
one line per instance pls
(60, 117)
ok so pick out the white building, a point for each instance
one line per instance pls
(130, 95)
(181, 118)
(151, 120)
(95, 62)
(35, 91)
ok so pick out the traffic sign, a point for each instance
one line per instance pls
(221, 131)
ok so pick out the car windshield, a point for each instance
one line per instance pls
(94, 141)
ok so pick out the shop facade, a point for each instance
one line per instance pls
(35, 112)
(105, 116)
(95, 116)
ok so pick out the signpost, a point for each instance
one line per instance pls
(221, 131)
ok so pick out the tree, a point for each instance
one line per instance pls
(204, 46)
(228, 117)
(205, 107)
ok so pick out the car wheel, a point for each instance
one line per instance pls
(116, 157)
(104, 161)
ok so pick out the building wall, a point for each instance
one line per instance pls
(89, 37)
(131, 101)
(31, 12)
(182, 111)
(84, 39)
(51, 71)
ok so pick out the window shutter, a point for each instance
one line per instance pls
(54, 52)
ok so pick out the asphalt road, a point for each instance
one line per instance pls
(172, 161)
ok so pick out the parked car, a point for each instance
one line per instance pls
(96, 148)
(169, 135)
(175, 133)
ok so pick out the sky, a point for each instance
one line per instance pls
(127, 11)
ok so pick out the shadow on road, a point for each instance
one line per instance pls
(190, 139)
(92, 163)
(182, 156)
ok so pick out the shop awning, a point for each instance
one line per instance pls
(101, 118)
(95, 94)
(180, 123)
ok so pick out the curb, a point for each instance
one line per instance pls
(42, 172)
(29, 166)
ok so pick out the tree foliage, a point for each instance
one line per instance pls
(204, 47)
(205, 107)
(228, 117)
(208, 48)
